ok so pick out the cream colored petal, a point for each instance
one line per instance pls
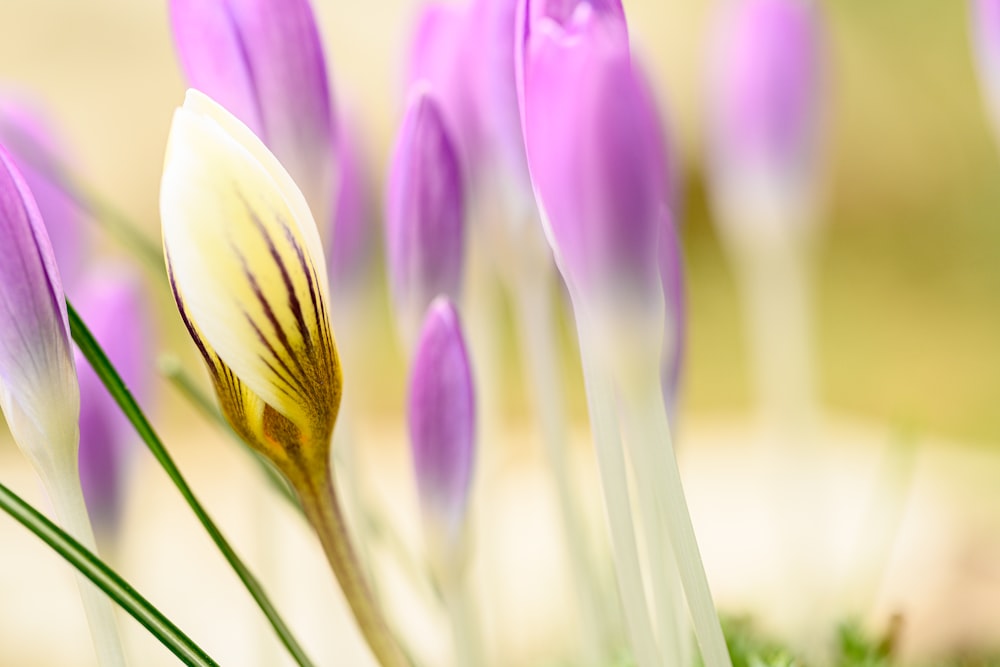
(240, 242)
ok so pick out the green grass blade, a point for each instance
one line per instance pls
(99, 361)
(106, 579)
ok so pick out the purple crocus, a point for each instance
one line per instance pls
(425, 212)
(986, 42)
(38, 388)
(263, 61)
(765, 103)
(350, 249)
(113, 304)
(442, 424)
(593, 148)
(39, 152)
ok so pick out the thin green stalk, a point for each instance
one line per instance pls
(170, 367)
(106, 579)
(465, 635)
(614, 481)
(97, 359)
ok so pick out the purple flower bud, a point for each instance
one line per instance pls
(442, 423)
(113, 305)
(594, 150)
(425, 213)
(39, 153)
(765, 98)
(675, 329)
(350, 250)
(986, 38)
(263, 61)
(38, 388)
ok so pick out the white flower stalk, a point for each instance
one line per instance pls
(39, 393)
(247, 271)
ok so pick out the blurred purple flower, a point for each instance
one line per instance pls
(424, 212)
(113, 305)
(263, 61)
(40, 154)
(442, 423)
(675, 328)
(765, 103)
(594, 149)
(349, 249)
(38, 387)
(986, 41)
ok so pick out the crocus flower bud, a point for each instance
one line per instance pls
(263, 61)
(112, 302)
(592, 142)
(39, 152)
(986, 42)
(425, 213)
(350, 251)
(442, 423)
(765, 102)
(38, 386)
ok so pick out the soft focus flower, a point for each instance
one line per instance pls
(594, 150)
(40, 153)
(986, 42)
(442, 423)
(38, 386)
(112, 302)
(350, 251)
(263, 61)
(765, 102)
(248, 274)
(424, 213)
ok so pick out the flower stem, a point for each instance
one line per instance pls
(659, 469)
(318, 498)
(465, 635)
(535, 310)
(105, 371)
(106, 579)
(611, 463)
(67, 500)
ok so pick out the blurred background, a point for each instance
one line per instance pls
(905, 314)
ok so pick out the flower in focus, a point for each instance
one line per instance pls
(247, 271)
(424, 213)
(765, 102)
(113, 304)
(39, 152)
(263, 61)
(38, 385)
(594, 150)
(442, 424)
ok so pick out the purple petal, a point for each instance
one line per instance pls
(263, 60)
(350, 250)
(425, 211)
(592, 146)
(765, 86)
(112, 304)
(442, 420)
(37, 375)
(39, 153)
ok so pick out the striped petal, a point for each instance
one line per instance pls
(38, 387)
(248, 274)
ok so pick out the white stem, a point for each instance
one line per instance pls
(464, 620)
(665, 476)
(611, 464)
(776, 284)
(668, 595)
(535, 309)
(67, 500)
